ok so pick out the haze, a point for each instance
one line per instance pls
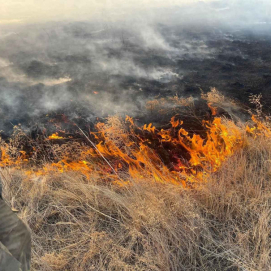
(34, 10)
(111, 57)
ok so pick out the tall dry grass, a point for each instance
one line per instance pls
(86, 224)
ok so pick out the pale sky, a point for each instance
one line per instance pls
(19, 11)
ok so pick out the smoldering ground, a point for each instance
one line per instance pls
(114, 64)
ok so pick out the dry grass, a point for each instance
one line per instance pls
(79, 224)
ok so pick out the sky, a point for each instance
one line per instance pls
(14, 12)
(25, 11)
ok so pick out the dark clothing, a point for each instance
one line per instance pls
(7, 261)
(0, 190)
(15, 241)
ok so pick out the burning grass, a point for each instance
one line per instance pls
(125, 197)
(126, 150)
(86, 224)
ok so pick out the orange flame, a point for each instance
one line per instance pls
(258, 128)
(213, 109)
(122, 154)
(55, 136)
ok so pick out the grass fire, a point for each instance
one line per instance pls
(129, 197)
(135, 135)
(120, 150)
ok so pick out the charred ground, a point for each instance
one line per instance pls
(110, 71)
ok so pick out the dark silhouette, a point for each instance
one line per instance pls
(15, 240)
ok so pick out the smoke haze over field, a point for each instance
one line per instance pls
(33, 10)
(230, 11)
(110, 57)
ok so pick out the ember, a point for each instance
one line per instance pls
(55, 136)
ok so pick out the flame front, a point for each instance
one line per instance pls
(122, 151)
